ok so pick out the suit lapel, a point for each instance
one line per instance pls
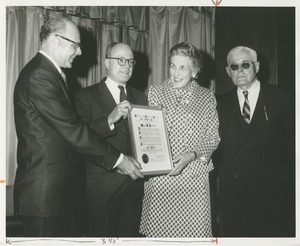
(257, 122)
(64, 87)
(259, 111)
(52, 68)
(130, 95)
(105, 95)
(108, 98)
(237, 124)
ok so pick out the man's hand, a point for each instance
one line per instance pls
(130, 167)
(121, 110)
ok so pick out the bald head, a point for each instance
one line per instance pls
(116, 46)
(116, 70)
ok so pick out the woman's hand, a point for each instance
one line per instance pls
(180, 163)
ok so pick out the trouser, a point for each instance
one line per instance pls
(263, 222)
(63, 226)
(121, 216)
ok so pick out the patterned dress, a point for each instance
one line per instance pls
(179, 206)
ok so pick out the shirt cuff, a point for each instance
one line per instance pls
(112, 127)
(119, 160)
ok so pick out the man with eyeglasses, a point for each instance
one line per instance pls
(51, 139)
(114, 200)
(256, 153)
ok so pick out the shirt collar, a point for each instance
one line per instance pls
(254, 87)
(112, 85)
(113, 88)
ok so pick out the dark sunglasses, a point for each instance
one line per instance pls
(122, 61)
(244, 65)
(76, 45)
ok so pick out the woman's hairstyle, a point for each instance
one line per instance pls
(53, 25)
(189, 50)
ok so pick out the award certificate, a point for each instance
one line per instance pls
(149, 139)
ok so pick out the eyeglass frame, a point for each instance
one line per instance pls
(241, 65)
(126, 60)
(77, 45)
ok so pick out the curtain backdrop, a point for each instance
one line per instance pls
(150, 31)
(22, 43)
(171, 25)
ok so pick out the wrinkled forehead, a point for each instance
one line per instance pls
(241, 54)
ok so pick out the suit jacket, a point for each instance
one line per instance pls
(254, 161)
(50, 136)
(94, 104)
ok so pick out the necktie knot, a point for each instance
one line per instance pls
(245, 94)
(122, 93)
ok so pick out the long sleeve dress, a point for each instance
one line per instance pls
(179, 206)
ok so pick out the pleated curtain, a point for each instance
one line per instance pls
(150, 31)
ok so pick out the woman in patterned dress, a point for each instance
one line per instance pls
(178, 204)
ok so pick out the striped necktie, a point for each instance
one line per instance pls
(246, 108)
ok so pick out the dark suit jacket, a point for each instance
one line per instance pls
(94, 104)
(50, 136)
(254, 161)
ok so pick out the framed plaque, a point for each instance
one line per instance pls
(149, 139)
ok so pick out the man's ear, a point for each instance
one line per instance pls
(106, 62)
(228, 71)
(53, 40)
(257, 64)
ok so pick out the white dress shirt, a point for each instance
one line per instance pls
(115, 92)
(253, 93)
(55, 64)
(114, 89)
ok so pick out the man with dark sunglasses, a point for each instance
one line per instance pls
(256, 153)
(114, 200)
(51, 139)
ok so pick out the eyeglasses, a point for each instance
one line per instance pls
(244, 65)
(122, 61)
(76, 45)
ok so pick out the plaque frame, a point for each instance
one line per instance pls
(146, 157)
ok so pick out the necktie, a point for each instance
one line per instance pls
(63, 75)
(122, 98)
(246, 108)
(122, 93)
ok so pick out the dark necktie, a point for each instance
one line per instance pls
(63, 75)
(122, 98)
(246, 108)
(122, 93)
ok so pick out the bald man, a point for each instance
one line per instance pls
(256, 166)
(114, 200)
(51, 138)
